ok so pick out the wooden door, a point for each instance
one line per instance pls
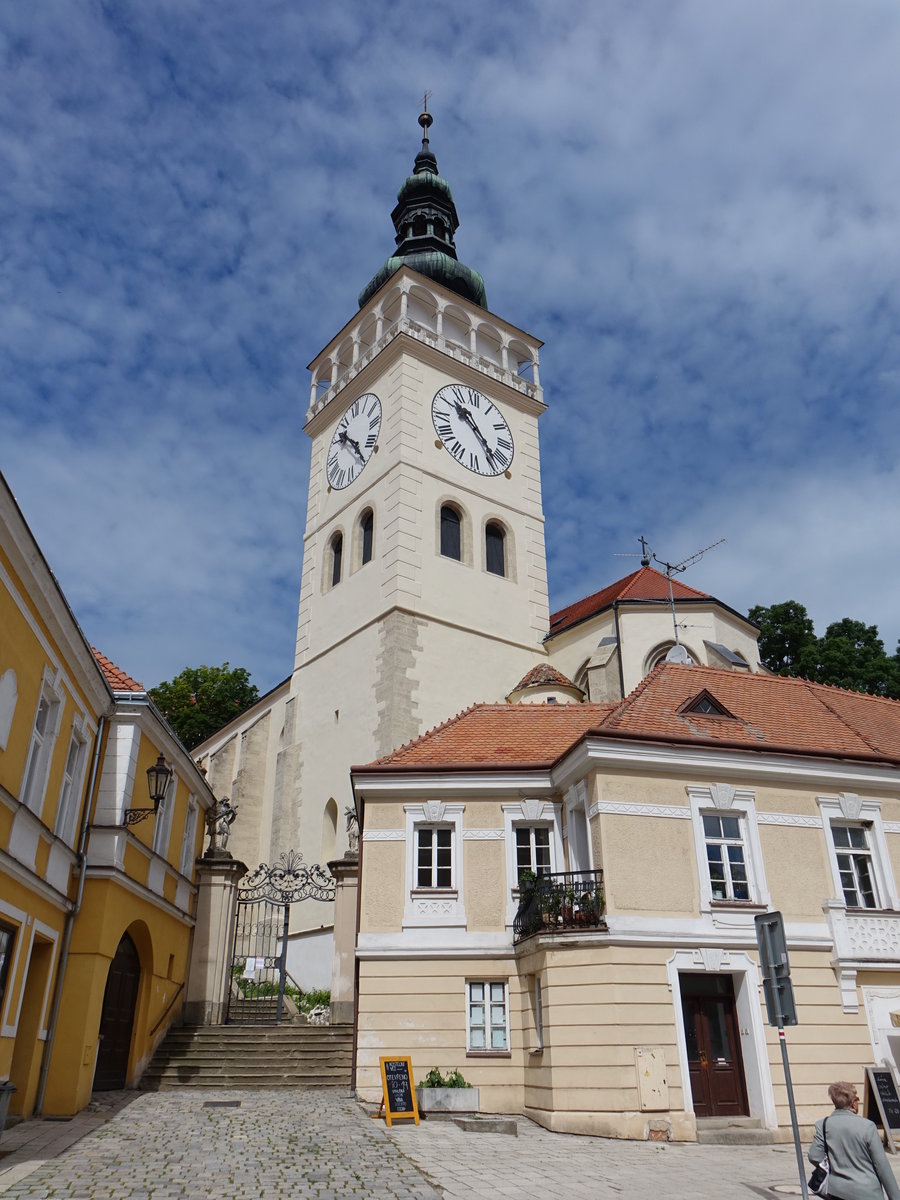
(117, 1018)
(713, 1046)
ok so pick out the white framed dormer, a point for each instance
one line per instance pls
(730, 867)
(532, 828)
(43, 738)
(578, 828)
(864, 913)
(434, 890)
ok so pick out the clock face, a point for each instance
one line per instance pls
(472, 429)
(354, 441)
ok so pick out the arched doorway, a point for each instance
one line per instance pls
(117, 1017)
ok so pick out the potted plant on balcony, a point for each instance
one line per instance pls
(448, 1093)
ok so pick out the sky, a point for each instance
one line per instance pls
(693, 204)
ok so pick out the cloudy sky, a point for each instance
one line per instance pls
(695, 206)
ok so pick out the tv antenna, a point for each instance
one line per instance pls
(678, 652)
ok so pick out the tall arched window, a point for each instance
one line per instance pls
(494, 548)
(337, 553)
(451, 546)
(366, 529)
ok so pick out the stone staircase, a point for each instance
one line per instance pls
(251, 1056)
(733, 1131)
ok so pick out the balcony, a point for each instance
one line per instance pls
(563, 901)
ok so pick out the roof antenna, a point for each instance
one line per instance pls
(677, 653)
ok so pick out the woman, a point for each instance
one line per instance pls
(858, 1165)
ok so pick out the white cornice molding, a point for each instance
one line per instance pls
(15, 870)
(476, 783)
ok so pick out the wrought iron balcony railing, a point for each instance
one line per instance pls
(564, 900)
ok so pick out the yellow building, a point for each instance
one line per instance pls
(615, 989)
(96, 914)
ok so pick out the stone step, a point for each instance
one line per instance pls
(164, 1081)
(733, 1131)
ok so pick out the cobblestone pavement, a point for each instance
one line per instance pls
(322, 1145)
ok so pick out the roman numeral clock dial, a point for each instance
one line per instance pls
(473, 430)
(354, 441)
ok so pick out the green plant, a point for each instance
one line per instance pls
(453, 1079)
(315, 998)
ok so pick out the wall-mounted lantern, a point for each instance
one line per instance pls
(158, 777)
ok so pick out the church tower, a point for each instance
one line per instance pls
(424, 583)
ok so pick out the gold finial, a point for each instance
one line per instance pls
(426, 119)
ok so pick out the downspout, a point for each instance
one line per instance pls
(359, 844)
(619, 651)
(67, 930)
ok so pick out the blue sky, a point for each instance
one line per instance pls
(695, 206)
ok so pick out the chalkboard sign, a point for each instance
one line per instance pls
(882, 1101)
(399, 1091)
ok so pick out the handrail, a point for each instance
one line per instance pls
(563, 900)
(178, 992)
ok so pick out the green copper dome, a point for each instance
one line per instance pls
(425, 221)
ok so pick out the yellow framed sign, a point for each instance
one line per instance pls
(398, 1090)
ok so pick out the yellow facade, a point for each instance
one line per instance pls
(76, 883)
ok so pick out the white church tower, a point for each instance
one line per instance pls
(424, 581)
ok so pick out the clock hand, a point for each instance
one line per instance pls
(465, 415)
(346, 440)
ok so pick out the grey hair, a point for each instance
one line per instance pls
(842, 1094)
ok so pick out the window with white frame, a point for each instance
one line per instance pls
(725, 856)
(487, 1026)
(860, 863)
(726, 839)
(73, 776)
(854, 862)
(163, 829)
(537, 1002)
(188, 848)
(532, 850)
(434, 856)
(40, 749)
(578, 828)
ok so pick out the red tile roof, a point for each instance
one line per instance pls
(544, 674)
(643, 584)
(115, 676)
(770, 713)
(500, 736)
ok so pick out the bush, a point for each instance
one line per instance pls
(453, 1079)
(314, 999)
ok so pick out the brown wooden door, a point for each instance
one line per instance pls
(117, 1017)
(713, 1046)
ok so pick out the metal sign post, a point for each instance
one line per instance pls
(779, 992)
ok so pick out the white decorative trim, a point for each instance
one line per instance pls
(869, 811)
(483, 835)
(851, 805)
(434, 811)
(383, 835)
(581, 856)
(792, 819)
(891, 826)
(722, 795)
(640, 810)
(532, 809)
(440, 908)
(743, 805)
(745, 973)
(9, 694)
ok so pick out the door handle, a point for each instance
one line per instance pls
(703, 1060)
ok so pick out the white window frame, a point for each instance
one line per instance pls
(723, 799)
(529, 812)
(487, 1050)
(162, 832)
(537, 1012)
(577, 810)
(434, 906)
(36, 775)
(73, 782)
(848, 809)
(190, 837)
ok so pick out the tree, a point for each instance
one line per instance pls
(787, 638)
(850, 655)
(200, 700)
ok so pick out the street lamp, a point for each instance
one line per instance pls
(158, 777)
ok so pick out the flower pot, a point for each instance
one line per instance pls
(447, 1100)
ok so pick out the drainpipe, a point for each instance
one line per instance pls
(67, 931)
(619, 650)
(359, 864)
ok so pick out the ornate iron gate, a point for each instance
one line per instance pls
(261, 925)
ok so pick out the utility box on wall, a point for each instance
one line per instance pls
(653, 1086)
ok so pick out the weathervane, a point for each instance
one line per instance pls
(670, 569)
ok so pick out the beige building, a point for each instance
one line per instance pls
(424, 582)
(615, 989)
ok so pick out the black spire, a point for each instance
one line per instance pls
(425, 222)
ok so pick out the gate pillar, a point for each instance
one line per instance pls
(343, 973)
(210, 970)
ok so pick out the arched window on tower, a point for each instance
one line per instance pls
(494, 548)
(451, 546)
(366, 530)
(337, 553)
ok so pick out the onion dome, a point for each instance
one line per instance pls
(425, 221)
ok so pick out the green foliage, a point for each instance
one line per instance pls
(314, 999)
(849, 655)
(200, 700)
(453, 1079)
